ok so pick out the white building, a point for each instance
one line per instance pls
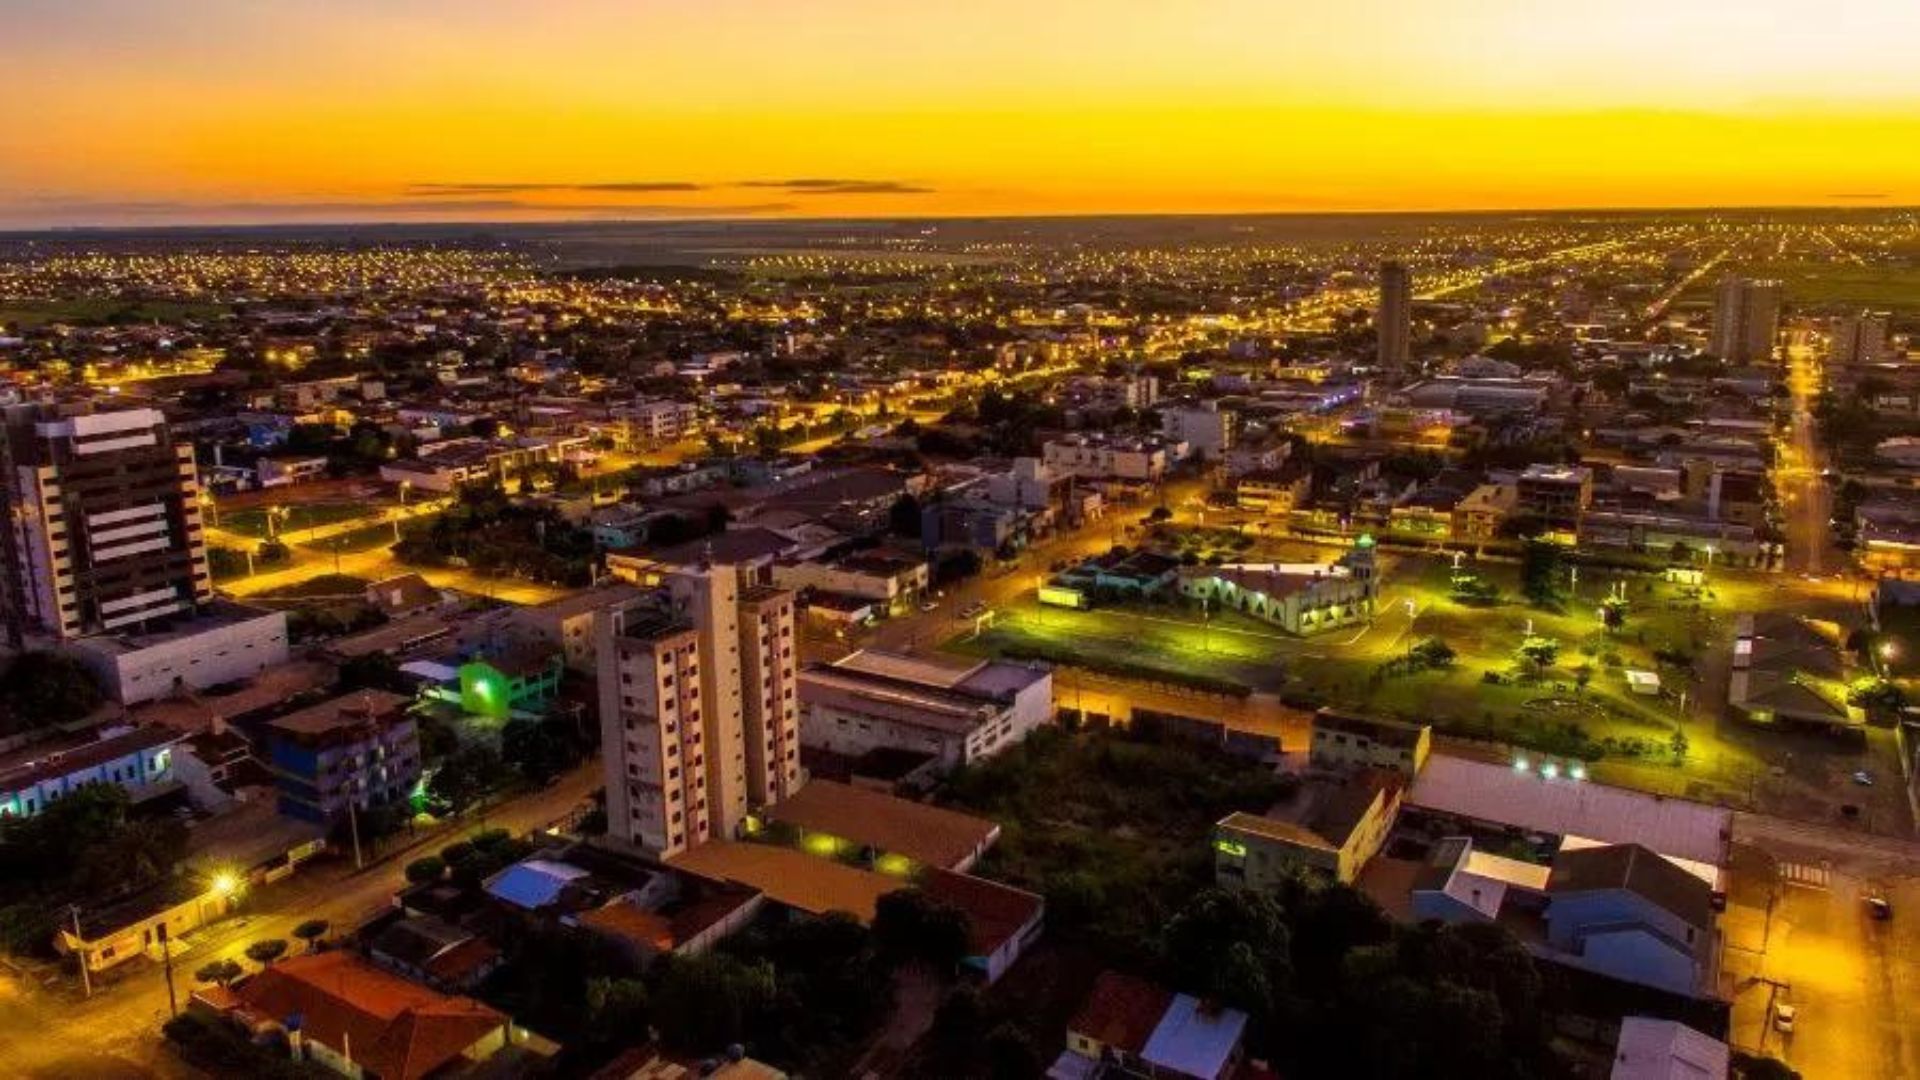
(1095, 457)
(223, 643)
(1206, 428)
(956, 710)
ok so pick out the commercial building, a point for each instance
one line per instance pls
(148, 923)
(105, 532)
(1393, 322)
(699, 711)
(955, 710)
(137, 759)
(221, 643)
(353, 753)
(1746, 320)
(1307, 598)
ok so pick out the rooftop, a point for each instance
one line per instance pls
(39, 762)
(926, 834)
(790, 877)
(342, 713)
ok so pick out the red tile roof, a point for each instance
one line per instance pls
(398, 1029)
(1121, 1011)
(995, 912)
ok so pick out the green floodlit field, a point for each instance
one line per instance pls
(1360, 667)
(253, 520)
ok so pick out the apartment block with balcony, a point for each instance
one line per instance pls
(361, 750)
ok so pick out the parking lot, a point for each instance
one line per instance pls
(1799, 932)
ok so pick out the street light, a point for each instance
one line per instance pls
(224, 884)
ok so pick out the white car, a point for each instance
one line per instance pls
(1783, 1015)
(1863, 778)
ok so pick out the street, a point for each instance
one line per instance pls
(52, 1031)
(1798, 931)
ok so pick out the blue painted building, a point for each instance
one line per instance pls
(362, 749)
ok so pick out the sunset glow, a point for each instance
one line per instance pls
(127, 111)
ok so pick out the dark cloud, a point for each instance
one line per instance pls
(618, 186)
(822, 186)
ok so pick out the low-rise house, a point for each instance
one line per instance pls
(1348, 740)
(440, 954)
(138, 760)
(1653, 1049)
(144, 924)
(1329, 826)
(1129, 1027)
(403, 595)
(341, 1012)
(1276, 492)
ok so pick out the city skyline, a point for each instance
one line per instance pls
(134, 116)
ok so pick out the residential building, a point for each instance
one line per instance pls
(1746, 320)
(1860, 338)
(1348, 741)
(282, 471)
(1329, 826)
(1555, 495)
(1129, 1027)
(1654, 1049)
(353, 753)
(1098, 457)
(1206, 428)
(1275, 492)
(957, 710)
(893, 582)
(138, 759)
(1393, 321)
(698, 707)
(106, 533)
(148, 923)
(341, 1012)
(658, 421)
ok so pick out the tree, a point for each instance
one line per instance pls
(466, 775)
(539, 749)
(1539, 651)
(426, 869)
(267, 950)
(959, 1025)
(219, 972)
(1232, 945)
(706, 1002)
(1613, 613)
(1434, 653)
(1679, 746)
(908, 924)
(311, 932)
(42, 689)
(1540, 572)
(87, 842)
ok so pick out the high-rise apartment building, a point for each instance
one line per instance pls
(1859, 339)
(1394, 321)
(105, 534)
(1746, 320)
(699, 719)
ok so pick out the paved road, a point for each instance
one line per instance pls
(1798, 932)
(54, 1032)
(1805, 495)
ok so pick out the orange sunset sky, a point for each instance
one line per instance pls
(141, 111)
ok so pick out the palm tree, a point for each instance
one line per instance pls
(311, 932)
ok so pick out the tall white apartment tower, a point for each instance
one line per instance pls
(1859, 339)
(699, 720)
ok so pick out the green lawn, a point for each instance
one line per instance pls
(1895, 288)
(367, 539)
(252, 521)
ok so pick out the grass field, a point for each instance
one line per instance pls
(253, 520)
(97, 311)
(1893, 288)
(367, 539)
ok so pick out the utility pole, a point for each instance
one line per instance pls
(80, 950)
(166, 960)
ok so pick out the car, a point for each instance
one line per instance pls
(974, 610)
(1863, 778)
(1878, 907)
(929, 605)
(1783, 1016)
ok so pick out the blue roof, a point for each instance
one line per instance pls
(532, 884)
(1194, 1041)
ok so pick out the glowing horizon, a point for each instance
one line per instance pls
(227, 111)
